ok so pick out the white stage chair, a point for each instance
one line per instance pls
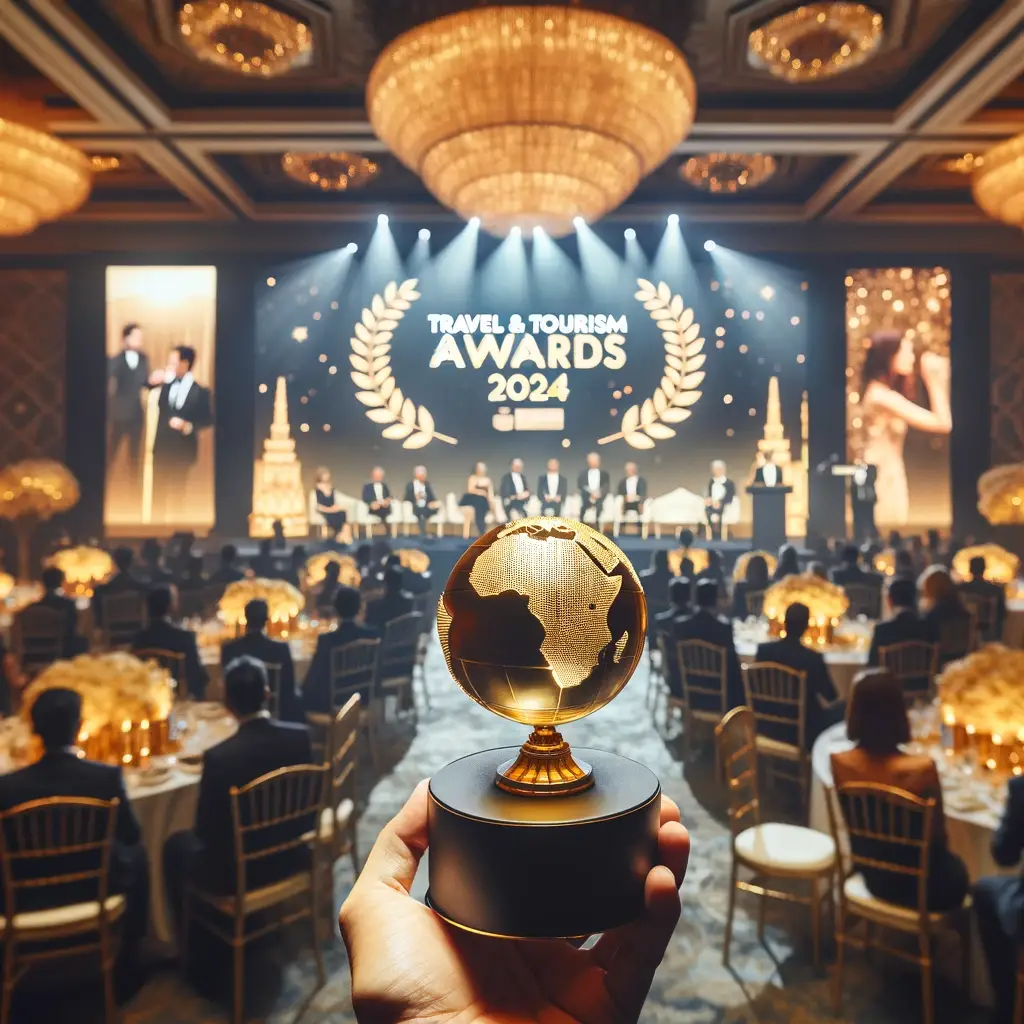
(365, 523)
(409, 519)
(730, 517)
(463, 514)
(674, 509)
(316, 519)
(621, 516)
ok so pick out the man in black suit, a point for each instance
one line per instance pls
(60, 772)
(316, 690)
(721, 490)
(903, 623)
(54, 597)
(594, 484)
(420, 495)
(553, 489)
(127, 382)
(632, 489)
(978, 586)
(206, 855)
(707, 625)
(849, 569)
(227, 572)
(863, 498)
(123, 580)
(514, 491)
(824, 705)
(392, 604)
(679, 588)
(767, 473)
(153, 570)
(377, 495)
(162, 635)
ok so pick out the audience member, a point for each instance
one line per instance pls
(944, 612)
(707, 625)
(655, 579)
(935, 555)
(818, 569)
(328, 587)
(163, 635)
(679, 588)
(227, 572)
(903, 568)
(755, 582)
(787, 565)
(685, 538)
(903, 623)
(393, 603)
(54, 598)
(193, 578)
(153, 571)
(894, 540)
(849, 569)
(264, 565)
(978, 586)
(123, 580)
(918, 555)
(877, 723)
(713, 571)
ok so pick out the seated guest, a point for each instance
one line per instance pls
(756, 582)
(364, 556)
(553, 489)
(979, 586)
(918, 555)
(679, 589)
(513, 491)
(377, 495)
(393, 603)
(316, 690)
(818, 569)
(787, 565)
(707, 625)
(632, 489)
(206, 855)
(655, 579)
(877, 723)
(193, 578)
(413, 582)
(903, 623)
(54, 597)
(999, 905)
(60, 772)
(264, 565)
(714, 571)
(594, 484)
(935, 554)
(163, 635)
(123, 581)
(328, 587)
(849, 569)
(227, 572)
(685, 539)
(153, 570)
(295, 574)
(256, 644)
(944, 612)
(903, 567)
(824, 705)
(420, 495)
(894, 540)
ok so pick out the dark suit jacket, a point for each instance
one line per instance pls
(655, 585)
(641, 488)
(173, 445)
(380, 612)
(265, 566)
(117, 584)
(713, 629)
(316, 690)
(126, 391)
(584, 486)
(260, 746)
(73, 643)
(370, 496)
(820, 688)
(270, 652)
(985, 588)
(542, 486)
(416, 582)
(865, 493)
(163, 635)
(730, 491)
(905, 625)
(226, 574)
(410, 492)
(759, 477)
(507, 488)
(62, 773)
(1007, 847)
(937, 617)
(847, 572)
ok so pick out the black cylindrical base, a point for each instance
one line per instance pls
(541, 867)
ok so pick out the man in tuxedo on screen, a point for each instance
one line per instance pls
(127, 380)
(185, 409)
(420, 495)
(767, 474)
(721, 490)
(594, 484)
(377, 495)
(553, 489)
(632, 489)
(863, 498)
(514, 491)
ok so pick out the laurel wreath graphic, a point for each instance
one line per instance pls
(646, 423)
(402, 418)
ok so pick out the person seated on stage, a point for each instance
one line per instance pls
(756, 582)
(256, 644)
(420, 495)
(981, 587)
(824, 705)
(392, 604)
(999, 905)
(513, 491)
(721, 490)
(594, 484)
(943, 610)
(153, 570)
(849, 569)
(632, 490)
(123, 581)
(788, 563)
(163, 635)
(264, 564)
(680, 589)
(553, 489)
(903, 623)
(335, 516)
(767, 474)
(479, 495)
(316, 690)
(377, 496)
(227, 572)
(55, 598)
(654, 579)
(877, 723)
(57, 720)
(205, 856)
(707, 625)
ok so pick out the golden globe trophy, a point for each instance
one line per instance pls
(542, 621)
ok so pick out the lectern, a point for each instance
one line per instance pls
(769, 516)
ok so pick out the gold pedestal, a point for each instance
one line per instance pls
(544, 767)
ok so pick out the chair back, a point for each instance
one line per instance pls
(956, 638)
(890, 833)
(173, 662)
(736, 741)
(703, 670)
(984, 610)
(755, 603)
(777, 696)
(55, 852)
(915, 663)
(426, 607)
(272, 817)
(124, 614)
(353, 669)
(343, 755)
(398, 648)
(865, 599)
(39, 635)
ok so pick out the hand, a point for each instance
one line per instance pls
(176, 423)
(934, 368)
(409, 965)
(157, 377)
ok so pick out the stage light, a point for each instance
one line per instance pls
(351, 247)
(709, 245)
(424, 234)
(515, 232)
(382, 219)
(474, 222)
(271, 281)
(578, 222)
(673, 219)
(537, 231)
(629, 234)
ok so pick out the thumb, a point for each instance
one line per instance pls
(400, 846)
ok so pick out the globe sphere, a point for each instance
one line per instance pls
(542, 621)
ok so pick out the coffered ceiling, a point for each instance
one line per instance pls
(197, 142)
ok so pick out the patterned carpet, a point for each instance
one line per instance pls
(774, 983)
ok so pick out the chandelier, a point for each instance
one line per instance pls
(998, 185)
(41, 178)
(531, 116)
(332, 172)
(966, 164)
(728, 172)
(816, 41)
(245, 37)
(101, 163)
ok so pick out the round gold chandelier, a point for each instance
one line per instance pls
(531, 116)
(816, 41)
(245, 37)
(41, 178)
(332, 172)
(998, 185)
(728, 172)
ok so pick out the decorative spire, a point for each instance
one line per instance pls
(773, 424)
(280, 430)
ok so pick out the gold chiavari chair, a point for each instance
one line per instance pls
(173, 662)
(770, 850)
(397, 660)
(273, 816)
(865, 599)
(985, 611)
(956, 638)
(703, 670)
(755, 603)
(777, 695)
(354, 671)
(337, 833)
(38, 638)
(666, 665)
(62, 844)
(915, 663)
(124, 616)
(889, 830)
(426, 606)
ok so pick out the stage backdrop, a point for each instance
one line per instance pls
(150, 311)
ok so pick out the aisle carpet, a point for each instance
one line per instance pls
(774, 983)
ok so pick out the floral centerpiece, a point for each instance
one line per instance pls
(983, 706)
(885, 562)
(826, 601)
(413, 559)
(316, 569)
(31, 492)
(699, 557)
(284, 603)
(83, 568)
(739, 571)
(126, 704)
(1001, 566)
(1001, 494)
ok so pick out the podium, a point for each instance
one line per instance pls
(769, 516)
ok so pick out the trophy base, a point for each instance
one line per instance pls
(516, 866)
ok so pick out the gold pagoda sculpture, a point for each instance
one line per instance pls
(794, 474)
(277, 491)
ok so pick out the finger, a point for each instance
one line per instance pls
(400, 845)
(669, 810)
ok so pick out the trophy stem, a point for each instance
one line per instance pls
(544, 767)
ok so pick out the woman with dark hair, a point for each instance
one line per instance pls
(876, 721)
(944, 613)
(888, 407)
(903, 565)
(755, 582)
(713, 570)
(788, 564)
